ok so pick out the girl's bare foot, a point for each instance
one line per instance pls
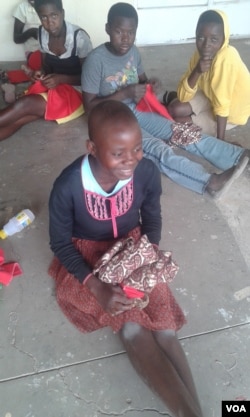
(9, 92)
(219, 184)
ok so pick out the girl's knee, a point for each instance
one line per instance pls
(130, 330)
(31, 105)
(167, 335)
(178, 109)
(23, 101)
(173, 107)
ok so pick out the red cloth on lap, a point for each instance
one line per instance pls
(62, 100)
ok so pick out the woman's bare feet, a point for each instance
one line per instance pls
(219, 184)
(9, 92)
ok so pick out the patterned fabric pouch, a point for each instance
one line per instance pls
(124, 257)
(139, 265)
(185, 134)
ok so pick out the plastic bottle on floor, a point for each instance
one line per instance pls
(17, 223)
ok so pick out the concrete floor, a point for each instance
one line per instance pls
(48, 368)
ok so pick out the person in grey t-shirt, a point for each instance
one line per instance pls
(114, 71)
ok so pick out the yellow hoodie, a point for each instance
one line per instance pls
(226, 84)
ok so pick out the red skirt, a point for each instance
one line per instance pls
(63, 103)
(83, 310)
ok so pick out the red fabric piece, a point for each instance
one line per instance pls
(150, 104)
(8, 270)
(132, 292)
(62, 100)
(17, 76)
(36, 88)
(34, 60)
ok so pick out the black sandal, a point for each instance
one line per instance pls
(168, 96)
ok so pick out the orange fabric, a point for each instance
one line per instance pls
(62, 100)
(150, 103)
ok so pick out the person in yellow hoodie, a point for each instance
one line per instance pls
(215, 90)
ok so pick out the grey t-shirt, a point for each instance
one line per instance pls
(103, 73)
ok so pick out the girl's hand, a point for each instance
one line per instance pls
(37, 75)
(135, 91)
(51, 80)
(156, 85)
(110, 297)
(204, 64)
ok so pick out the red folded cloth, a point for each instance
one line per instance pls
(17, 76)
(8, 270)
(34, 60)
(62, 100)
(150, 103)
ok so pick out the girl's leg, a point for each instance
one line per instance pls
(24, 110)
(219, 153)
(165, 372)
(178, 168)
(171, 346)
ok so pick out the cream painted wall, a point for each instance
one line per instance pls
(157, 25)
(89, 14)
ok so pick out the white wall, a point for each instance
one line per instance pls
(89, 14)
(156, 25)
(177, 24)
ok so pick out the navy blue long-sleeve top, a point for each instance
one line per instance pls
(76, 213)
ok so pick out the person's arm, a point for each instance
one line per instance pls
(221, 127)
(188, 84)
(202, 66)
(223, 82)
(132, 91)
(64, 196)
(61, 232)
(21, 37)
(52, 80)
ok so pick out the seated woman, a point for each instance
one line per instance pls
(104, 196)
(214, 92)
(52, 95)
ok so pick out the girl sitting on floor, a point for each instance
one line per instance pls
(52, 95)
(107, 195)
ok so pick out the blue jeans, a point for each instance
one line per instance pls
(180, 169)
